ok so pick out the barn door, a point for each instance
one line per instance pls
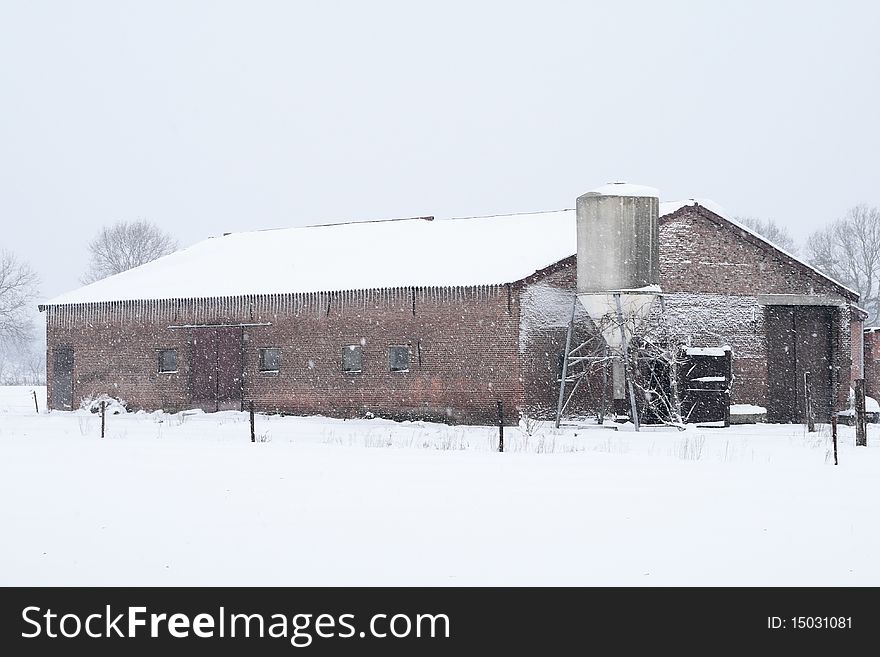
(813, 349)
(216, 369)
(62, 379)
(798, 341)
(781, 368)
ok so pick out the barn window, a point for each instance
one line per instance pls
(270, 359)
(353, 358)
(167, 360)
(398, 359)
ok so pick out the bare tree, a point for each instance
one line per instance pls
(125, 245)
(848, 250)
(18, 287)
(771, 231)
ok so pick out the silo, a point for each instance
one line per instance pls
(617, 238)
(618, 263)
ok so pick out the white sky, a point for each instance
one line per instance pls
(207, 117)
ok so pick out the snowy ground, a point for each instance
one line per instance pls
(187, 499)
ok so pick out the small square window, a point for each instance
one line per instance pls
(167, 360)
(270, 359)
(398, 359)
(353, 358)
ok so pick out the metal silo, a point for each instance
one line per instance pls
(618, 256)
(618, 272)
(618, 238)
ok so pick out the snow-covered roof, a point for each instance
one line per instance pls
(362, 255)
(625, 189)
(420, 252)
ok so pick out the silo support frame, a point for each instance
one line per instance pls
(569, 358)
(562, 403)
(627, 365)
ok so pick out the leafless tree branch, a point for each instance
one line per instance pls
(125, 245)
(848, 250)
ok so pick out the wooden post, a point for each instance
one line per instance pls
(103, 414)
(728, 373)
(808, 402)
(834, 435)
(861, 428)
(500, 426)
(251, 409)
(36, 405)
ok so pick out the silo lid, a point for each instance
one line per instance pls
(625, 189)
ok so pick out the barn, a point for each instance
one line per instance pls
(436, 319)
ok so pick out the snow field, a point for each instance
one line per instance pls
(186, 499)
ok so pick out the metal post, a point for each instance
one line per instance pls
(861, 429)
(834, 435)
(103, 413)
(601, 418)
(626, 364)
(565, 362)
(500, 426)
(808, 402)
(251, 409)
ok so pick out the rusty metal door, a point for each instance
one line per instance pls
(216, 368)
(799, 340)
(62, 379)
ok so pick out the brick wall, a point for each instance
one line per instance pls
(463, 346)
(712, 273)
(872, 363)
(545, 313)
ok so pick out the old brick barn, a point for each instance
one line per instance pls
(434, 319)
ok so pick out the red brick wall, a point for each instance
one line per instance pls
(463, 344)
(872, 363)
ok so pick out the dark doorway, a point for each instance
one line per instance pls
(799, 340)
(62, 379)
(216, 370)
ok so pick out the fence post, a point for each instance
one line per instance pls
(861, 429)
(500, 426)
(808, 402)
(834, 435)
(251, 409)
(103, 414)
(36, 405)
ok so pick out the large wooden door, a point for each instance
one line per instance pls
(62, 379)
(216, 368)
(799, 340)
(813, 335)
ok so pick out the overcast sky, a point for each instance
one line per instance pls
(209, 117)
